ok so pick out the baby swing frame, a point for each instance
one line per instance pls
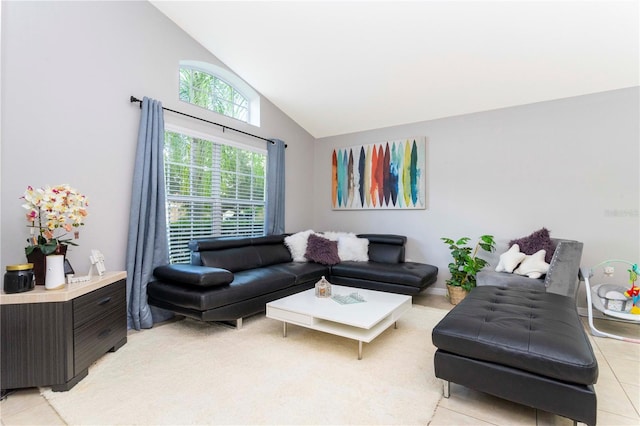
(593, 300)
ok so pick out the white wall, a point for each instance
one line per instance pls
(68, 69)
(570, 165)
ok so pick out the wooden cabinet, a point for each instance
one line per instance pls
(50, 338)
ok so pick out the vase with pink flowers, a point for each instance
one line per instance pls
(53, 212)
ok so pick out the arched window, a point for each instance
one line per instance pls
(218, 90)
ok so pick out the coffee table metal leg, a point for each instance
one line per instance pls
(284, 329)
(359, 349)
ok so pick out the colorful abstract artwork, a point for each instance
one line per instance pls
(389, 175)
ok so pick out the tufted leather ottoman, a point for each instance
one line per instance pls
(522, 345)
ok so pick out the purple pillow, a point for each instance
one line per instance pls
(321, 250)
(539, 240)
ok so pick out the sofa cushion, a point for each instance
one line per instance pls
(411, 274)
(353, 248)
(510, 259)
(502, 279)
(303, 272)
(322, 250)
(203, 276)
(297, 245)
(525, 329)
(234, 259)
(272, 254)
(533, 266)
(336, 235)
(245, 285)
(539, 240)
(385, 248)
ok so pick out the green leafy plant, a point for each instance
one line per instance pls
(465, 263)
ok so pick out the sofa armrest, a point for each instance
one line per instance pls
(490, 277)
(202, 276)
(386, 248)
(562, 277)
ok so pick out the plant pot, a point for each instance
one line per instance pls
(456, 294)
(39, 261)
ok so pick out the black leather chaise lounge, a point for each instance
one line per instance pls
(522, 345)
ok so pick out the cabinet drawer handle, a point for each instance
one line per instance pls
(104, 301)
(104, 333)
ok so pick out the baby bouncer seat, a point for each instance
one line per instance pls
(621, 302)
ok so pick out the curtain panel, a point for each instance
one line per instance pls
(147, 245)
(274, 217)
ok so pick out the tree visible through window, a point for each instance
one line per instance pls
(212, 190)
(211, 92)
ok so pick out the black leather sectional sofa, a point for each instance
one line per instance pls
(233, 277)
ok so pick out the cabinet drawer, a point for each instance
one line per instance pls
(94, 338)
(98, 303)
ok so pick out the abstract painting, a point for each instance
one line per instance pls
(388, 175)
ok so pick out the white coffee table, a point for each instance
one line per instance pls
(359, 321)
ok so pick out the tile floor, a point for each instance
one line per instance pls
(618, 390)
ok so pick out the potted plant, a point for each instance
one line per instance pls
(465, 265)
(51, 210)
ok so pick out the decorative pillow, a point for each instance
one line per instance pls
(539, 240)
(335, 236)
(510, 259)
(322, 250)
(353, 248)
(297, 245)
(533, 266)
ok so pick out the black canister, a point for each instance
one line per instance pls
(19, 278)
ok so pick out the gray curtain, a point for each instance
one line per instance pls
(147, 246)
(274, 217)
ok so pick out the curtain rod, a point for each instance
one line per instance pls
(134, 99)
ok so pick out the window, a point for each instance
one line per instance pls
(218, 90)
(213, 189)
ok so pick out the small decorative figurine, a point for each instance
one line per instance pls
(323, 288)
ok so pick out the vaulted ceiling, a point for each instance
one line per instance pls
(341, 67)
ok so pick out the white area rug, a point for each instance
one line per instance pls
(189, 372)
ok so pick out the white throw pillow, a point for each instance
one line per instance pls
(510, 259)
(297, 245)
(334, 236)
(533, 266)
(353, 248)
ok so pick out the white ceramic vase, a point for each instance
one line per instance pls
(55, 272)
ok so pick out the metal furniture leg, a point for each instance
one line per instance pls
(446, 389)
